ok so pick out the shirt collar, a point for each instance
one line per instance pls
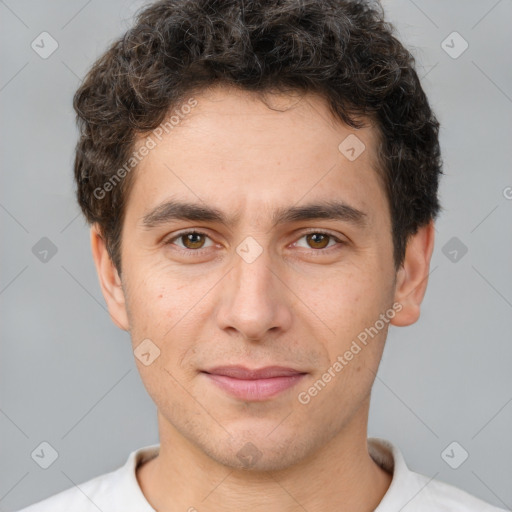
(404, 485)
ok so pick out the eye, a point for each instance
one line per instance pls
(318, 240)
(194, 241)
(191, 240)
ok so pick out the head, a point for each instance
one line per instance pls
(261, 180)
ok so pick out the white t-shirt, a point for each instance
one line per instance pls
(119, 491)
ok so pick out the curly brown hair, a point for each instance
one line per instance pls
(340, 49)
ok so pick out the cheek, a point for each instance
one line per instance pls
(165, 311)
(350, 299)
(156, 296)
(157, 313)
(149, 308)
(350, 306)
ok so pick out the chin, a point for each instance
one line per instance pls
(259, 453)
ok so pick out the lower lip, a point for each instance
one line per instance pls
(256, 389)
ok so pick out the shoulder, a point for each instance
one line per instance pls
(114, 491)
(85, 497)
(442, 497)
(410, 491)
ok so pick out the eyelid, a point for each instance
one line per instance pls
(322, 231)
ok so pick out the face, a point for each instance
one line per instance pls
(258, 277)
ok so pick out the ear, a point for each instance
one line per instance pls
(412, 276)
(110, 281)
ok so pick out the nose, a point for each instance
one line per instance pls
(254, 301)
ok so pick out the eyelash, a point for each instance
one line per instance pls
(199, 252)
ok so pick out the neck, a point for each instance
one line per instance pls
(341, 475)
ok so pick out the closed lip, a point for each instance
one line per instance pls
(241, 372)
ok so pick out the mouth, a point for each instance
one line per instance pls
(254, 385)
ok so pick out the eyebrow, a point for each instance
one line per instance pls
(181, 210)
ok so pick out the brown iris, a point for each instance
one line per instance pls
(319, 240)
(190, 240)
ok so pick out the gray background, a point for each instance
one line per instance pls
(67, 373)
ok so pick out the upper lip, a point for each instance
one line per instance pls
(240, 372)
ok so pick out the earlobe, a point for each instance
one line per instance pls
(109, 279)
(412, 277)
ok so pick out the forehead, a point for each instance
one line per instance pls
(236, 150)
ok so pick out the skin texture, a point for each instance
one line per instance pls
(299, 304)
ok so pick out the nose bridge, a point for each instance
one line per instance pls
(253, 303)
(253, 266)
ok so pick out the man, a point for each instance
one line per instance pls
(261, 180)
